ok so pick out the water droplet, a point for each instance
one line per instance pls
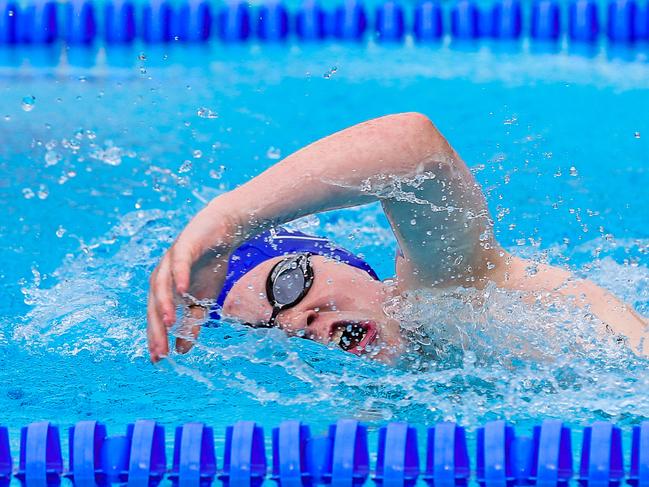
(532, 269)
(217, 174)
(185, 167)
(328, 74)
(28, 103)
(7, 118)
(273, 153)
(43, 192)
(197, 154)
(204, 112)
(636, 135)
(142, 56)
(60, 231)
(413, 221)
(573, 171)
(28, 193)
(52, 158)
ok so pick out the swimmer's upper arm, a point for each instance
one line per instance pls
(546, 282)
(438, 214)
(431, 199)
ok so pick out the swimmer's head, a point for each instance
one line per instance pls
(340, 299)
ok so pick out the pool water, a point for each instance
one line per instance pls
(102, 165)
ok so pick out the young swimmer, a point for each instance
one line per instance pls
(235, 249)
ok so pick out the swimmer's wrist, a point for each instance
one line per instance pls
(236, 225)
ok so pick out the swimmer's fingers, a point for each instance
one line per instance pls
(162, 288)
(156, 330)
(181, 261)
(191, 327)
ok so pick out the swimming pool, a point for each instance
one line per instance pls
(104, 163)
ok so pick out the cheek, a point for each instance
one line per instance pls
(247, 306)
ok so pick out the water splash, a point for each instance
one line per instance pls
(473, 355)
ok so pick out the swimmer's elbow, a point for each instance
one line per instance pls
(422, 140)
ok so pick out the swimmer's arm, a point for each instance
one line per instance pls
(552, 283)
(435, 207)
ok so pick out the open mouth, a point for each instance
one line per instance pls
(353, 336)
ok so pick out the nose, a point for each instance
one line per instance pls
(300, 321)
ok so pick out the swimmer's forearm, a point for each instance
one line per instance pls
(330, 173)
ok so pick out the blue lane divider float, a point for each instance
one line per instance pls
(119, 22)
(311, 21)
(507, 19)
(495, 455)
(244, 462)
(601, 455)
(552, 454)
(80, 22)
(349, 21)
(639, 471)
(194, 21)
(233, 22)
(194, 460)
(157, 21)
(465, 20)
(545, 20)
(390, 23)
(348, 460)
(397, 463)
(447, 459)
(41, 462)
(85, 442)
(291, 463)
(340, 458)
(583, 21)
(160, 21)
(428, 22)
(621, 26)
(272, 22)
(38, 23)
(5, 457)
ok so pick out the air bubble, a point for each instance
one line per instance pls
(52, 158)
(185, 167)
(217, 173)
(28, 103)
(273, 153)
(330, 73)
(43, 192)
(204, 112)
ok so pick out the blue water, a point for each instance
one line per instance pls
(105, 156)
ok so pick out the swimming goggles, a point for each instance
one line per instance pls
(288, 282)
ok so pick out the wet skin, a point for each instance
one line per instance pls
(340, 299)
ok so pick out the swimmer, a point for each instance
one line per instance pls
(235, 260)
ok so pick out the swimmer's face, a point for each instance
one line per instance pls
(343, 307)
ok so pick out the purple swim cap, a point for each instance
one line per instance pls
(278, 243)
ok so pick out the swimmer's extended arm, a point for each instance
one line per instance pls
(435, 207)
(436, 210)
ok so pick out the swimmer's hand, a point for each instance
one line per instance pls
(191, 274)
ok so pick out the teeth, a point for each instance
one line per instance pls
(349, 336)
(337, 335)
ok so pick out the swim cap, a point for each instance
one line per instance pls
(277, 243)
